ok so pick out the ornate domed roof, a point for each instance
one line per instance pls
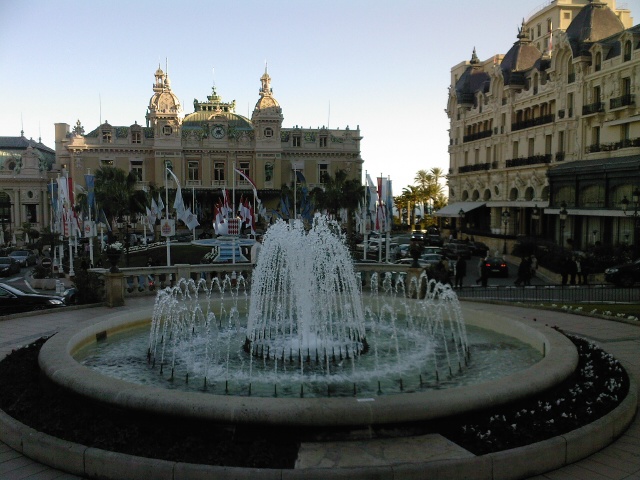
(202, 117)
(522, 56)
(266, 105)
(596, 21)
(474, 79)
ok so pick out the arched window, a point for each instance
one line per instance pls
(627, 50)
(598, 62)
(571, 73)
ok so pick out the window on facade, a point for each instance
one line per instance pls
(466, 157)
(570, 105)
(167, 130)
(561, 141)
(627, 51)
(218, 172)
(136, 137)
(106, 163)
(596, 94)
(626, 86)
(106, 136)
(548, 25)
(193, 170)
(598, 62)
(567, 15)
(515, 149)
(476, 156)
(548, 139)
(296, 140)
(530, 148)
(32, 213)
(244, 168)
(571, 73)
(268, 132)
(488, 155)
(624, 131)
(268, 172)
(539, 28)
(595, 136)
(136, 169)
(323, 172)
(323, 142)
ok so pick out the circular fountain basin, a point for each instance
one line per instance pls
(559, 360)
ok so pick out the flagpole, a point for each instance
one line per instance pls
(166, 207)
(233, 209)
(366, 207)
(378, 214)
(295, 191)
(72, 273)
(92, 229)
(193, 207)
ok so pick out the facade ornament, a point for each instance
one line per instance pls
(78, 130)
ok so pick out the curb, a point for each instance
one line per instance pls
(521, 462)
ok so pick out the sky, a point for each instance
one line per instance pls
(382, 65)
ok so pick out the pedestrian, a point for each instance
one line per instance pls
(461, 271)
(483, 271)
(524, 272)
(534, 265)
(579, 273)
(573, 270)
(564, 270)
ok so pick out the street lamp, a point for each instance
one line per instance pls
(635, 196)
(563, 218)
(461, 216)
(505, 221)
(535, 216)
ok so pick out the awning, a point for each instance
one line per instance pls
(588, 212)
(518, 203)
(453, 209)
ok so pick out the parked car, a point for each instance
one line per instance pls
(452, 250)
(435, 240)
(13, 300)
(625, 275)
(430, 249)
(24, 257)
(432, 259)
(9, 266)
(497, 267)
(478, 248)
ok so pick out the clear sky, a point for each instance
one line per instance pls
(381, 64)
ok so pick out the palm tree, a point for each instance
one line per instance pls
(116, 192)
(341, 193)
(413, 196)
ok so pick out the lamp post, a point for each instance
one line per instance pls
(461, 216)
(563, 218)
(635, 197)
(505, 221)
(535, 216)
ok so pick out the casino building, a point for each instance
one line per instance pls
(203, 146)
(545, 139)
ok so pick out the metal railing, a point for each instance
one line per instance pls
(553, 294)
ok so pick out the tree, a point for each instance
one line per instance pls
(116, 193)
(339, 192)
(412, 196)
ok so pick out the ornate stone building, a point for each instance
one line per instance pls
(561, 99)
(203, 147)
(26, 166)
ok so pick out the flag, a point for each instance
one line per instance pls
(160, 206)
(226, 208)
(284, 207)
(102, 218)
(246, 177)
(300, 177)
(151, 217)
(89, 180)
(251, 218)
(52, 188)
(389, 204)
(178, 203)
(190, 219)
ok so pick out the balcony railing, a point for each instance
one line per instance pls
(623, 101)
(474, 168)
(609, 147)
(477, 136)
(533, 160)
(533, 122)
(592, 108)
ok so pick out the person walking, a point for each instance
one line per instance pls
(461, 271)
(524, 272)
(483, 270)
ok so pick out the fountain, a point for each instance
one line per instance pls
(307, 347)
(307, 325)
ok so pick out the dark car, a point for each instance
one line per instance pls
(435, 240)
(478, 248)
(24, 257)
(497, 267)
(13, 300)
(453, 250)
(8, 266)
(624, 275)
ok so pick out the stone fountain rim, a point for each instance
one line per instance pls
(57, 362)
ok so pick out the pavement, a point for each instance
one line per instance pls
(618, 461)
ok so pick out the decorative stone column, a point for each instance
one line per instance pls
(114, 289)
(184, 271)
